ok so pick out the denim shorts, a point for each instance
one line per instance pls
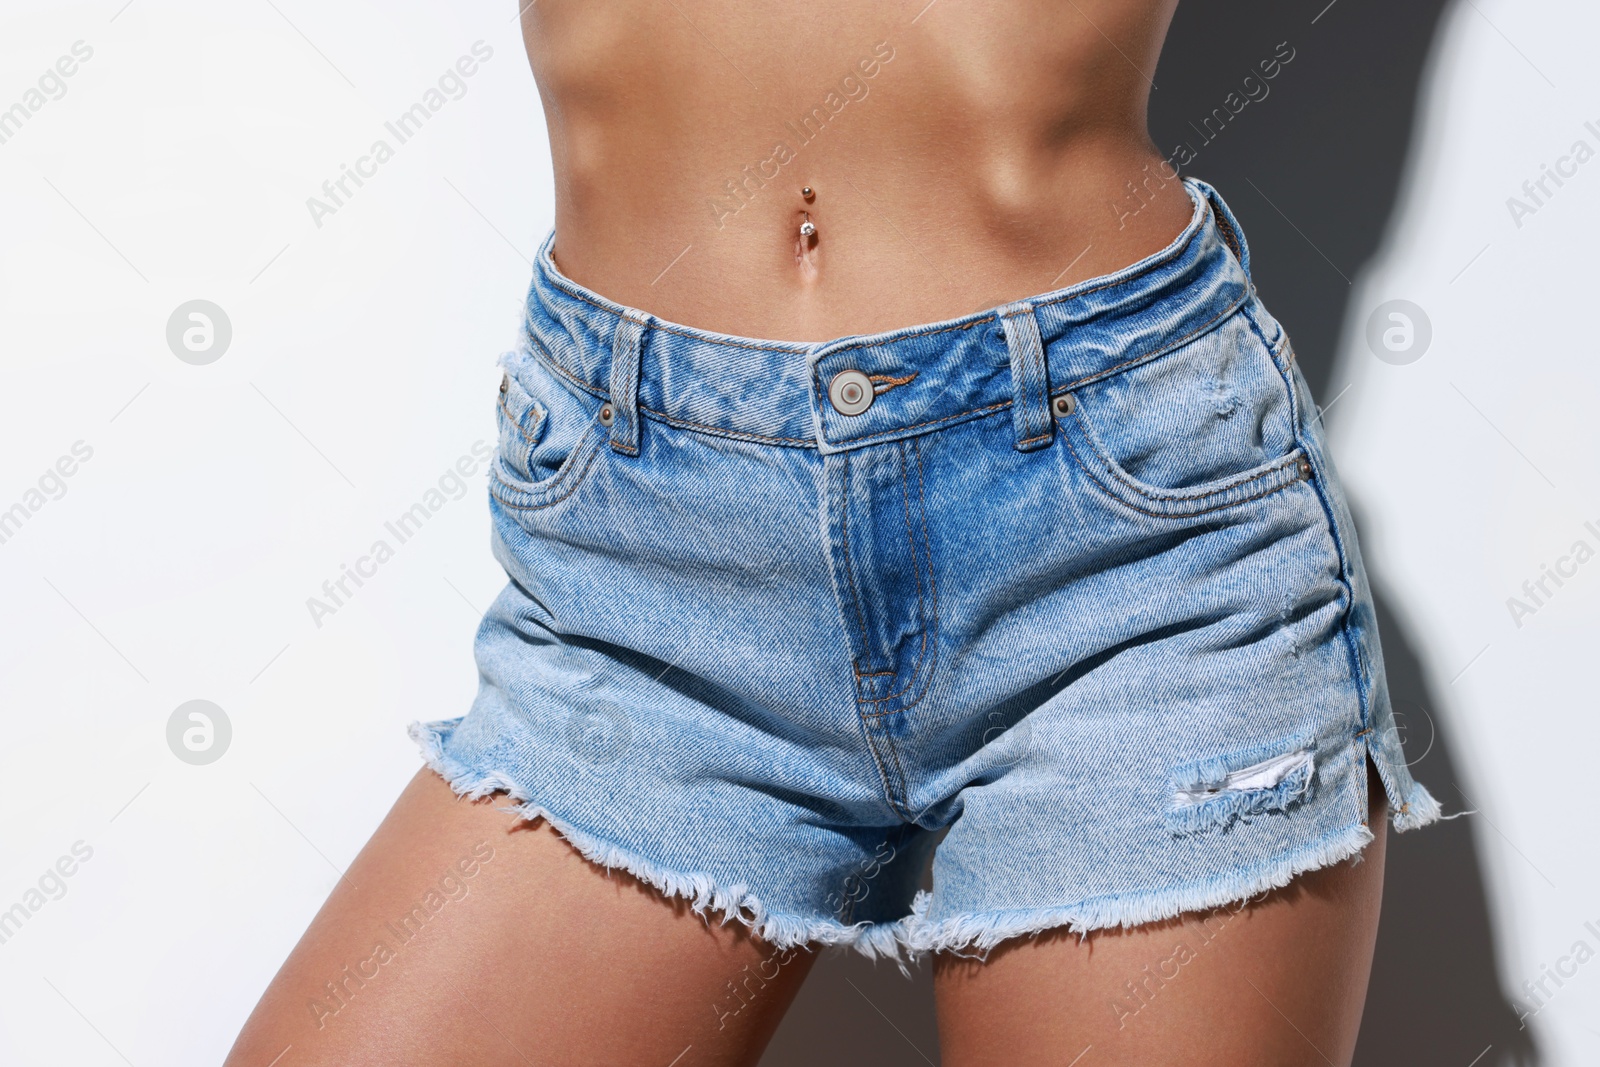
(1063, 597)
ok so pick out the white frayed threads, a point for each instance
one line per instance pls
(976, 934)
(1267, 774)
(703, 893)
(1209, 796)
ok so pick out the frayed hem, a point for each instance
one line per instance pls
(1419, 810)
(962, 934)
(703, 893)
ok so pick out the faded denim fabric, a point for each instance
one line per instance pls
(1079, 586)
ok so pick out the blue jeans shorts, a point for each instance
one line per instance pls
(1063, 596)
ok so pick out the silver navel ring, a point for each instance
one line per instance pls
(807, 228)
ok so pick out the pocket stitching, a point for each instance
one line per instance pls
(1195, 492)
(539, 494)
(533, 405)
(1206, 495)
(509, 485)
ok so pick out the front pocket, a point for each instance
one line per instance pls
(1205, 426)
(549, 434)
(521, 420)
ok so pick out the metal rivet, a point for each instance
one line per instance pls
(1305, 467)
(607, 416)
(1066, 404)
(504, 379)
(850, 392)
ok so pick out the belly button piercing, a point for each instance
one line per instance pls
(807, 193)
(807, 228)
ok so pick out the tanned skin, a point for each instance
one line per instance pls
(959, 158)
(977, 153)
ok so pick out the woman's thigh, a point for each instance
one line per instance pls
(1277, 982)
(463, 935)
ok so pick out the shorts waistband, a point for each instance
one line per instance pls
(922, 377)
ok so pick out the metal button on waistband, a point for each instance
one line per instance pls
(607, 415)
(850, 392)
(1066, 404)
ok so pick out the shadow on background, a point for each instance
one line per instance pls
(1435, 995)
(1311, 163)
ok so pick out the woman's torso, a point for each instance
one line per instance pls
(960, 155)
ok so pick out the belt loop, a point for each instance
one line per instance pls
(1227, 227)
(1030, 380)
(625, 346)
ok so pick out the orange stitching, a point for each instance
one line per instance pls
(1104, 373)
(922, 645)
(513, 420)
(933, 587)
(571, 478)
(1044, 383)
(911, 539)
(914, 425)
(922, 651)
(883, 776)
(773, 346)
(1177, 496)
(920, 333)
(900, 777)
(849, 571)
(1163, 261)
(556, 367)
(1185, 514)
(1226, 229)
(1157, 353)
(933, 629)
(804, 442)
(818, 396)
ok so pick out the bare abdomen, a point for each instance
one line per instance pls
(956, 159)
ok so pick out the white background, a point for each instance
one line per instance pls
(1477, 464)
(178, 562)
